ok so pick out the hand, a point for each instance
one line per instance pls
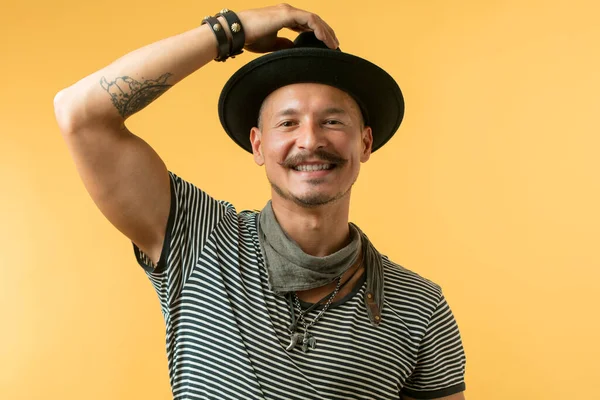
(261, 26)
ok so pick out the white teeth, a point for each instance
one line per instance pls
(318, 167)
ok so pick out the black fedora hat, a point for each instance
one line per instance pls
(311, 61)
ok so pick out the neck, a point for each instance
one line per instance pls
(318, 231)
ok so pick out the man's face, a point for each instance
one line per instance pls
(311, 140)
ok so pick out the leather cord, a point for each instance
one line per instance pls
(221, 36)
(238, 37)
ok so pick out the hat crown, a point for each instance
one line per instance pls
(309, 39)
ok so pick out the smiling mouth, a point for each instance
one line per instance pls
(313, 167)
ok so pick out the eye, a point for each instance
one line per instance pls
(332, 122)
(287, 124)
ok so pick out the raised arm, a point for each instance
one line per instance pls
(124, 176)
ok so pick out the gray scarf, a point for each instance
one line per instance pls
(290, 269)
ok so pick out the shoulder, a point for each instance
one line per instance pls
(396, 274)
(407, 289)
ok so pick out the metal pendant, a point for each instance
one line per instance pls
(308, 341)
(295, 338)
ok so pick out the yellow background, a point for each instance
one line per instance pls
(490, 188)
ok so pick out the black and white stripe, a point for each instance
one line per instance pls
(226, 333)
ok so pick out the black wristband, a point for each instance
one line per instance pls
(238, 37)
(221, 36)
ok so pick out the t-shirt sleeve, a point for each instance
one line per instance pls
(440, 366)
(193, 216)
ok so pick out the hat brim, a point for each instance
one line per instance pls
(375, 91)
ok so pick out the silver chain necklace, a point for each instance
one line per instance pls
(306, 338)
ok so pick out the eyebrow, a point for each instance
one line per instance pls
(292, 111)
(335, 110)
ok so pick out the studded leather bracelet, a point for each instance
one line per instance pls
(221, 36)
(238, 37)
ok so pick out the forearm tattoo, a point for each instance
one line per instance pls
(130, 96)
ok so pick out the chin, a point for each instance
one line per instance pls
(315, 200)
(310, 199)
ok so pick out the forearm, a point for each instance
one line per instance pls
(112, 94)
(108, 97)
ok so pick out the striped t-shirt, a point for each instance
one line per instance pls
(226, 332)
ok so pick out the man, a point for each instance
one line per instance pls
(292, 302)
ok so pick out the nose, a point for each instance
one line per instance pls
(311, 137)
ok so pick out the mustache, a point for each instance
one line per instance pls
(319, 154)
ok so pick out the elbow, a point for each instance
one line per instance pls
(75, 111)
(82, 106)
(64, 113)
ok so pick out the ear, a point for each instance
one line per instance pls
(256, 141)
(367, 144)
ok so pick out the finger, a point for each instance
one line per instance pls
(323, 35)
(330, 33)
(329, 36)
(301, 28)
(329, 40)
(333, 35)
(316, 24)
